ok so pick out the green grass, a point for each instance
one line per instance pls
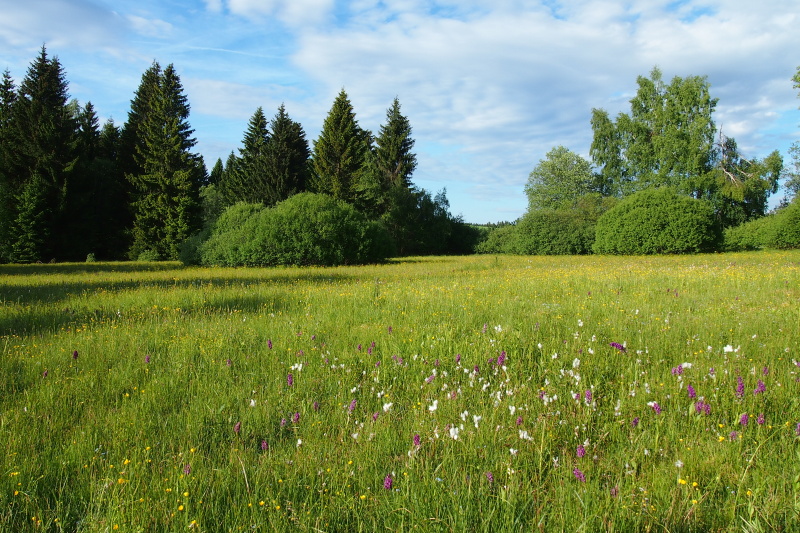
(139, 432)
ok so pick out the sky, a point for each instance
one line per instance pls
(488, 90)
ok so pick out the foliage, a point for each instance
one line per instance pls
(167, 204)
(306, 229)
(340, 152)
(666, 140)
(559, 180)
(152, 397)
(500, 240)
(780, 230)
(657, 221)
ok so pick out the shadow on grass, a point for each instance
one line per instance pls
(35, 308)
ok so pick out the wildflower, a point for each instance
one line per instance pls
(75, 355)
(269, 343)
(359, 347)
(501, 360)
(765, 371)
(477, 369)
(655, 406)
(739, 387)
(579, 475)
(618, 346)
(187, 469)
(711, 372)
(760, 420)
(614, 491)
(289, 380)
(147, 358)
(237, 427)
(580, 451)
(691, 392)
(484, 327)
(433, 406)
(389, 329)
(316, 405)
(733, 435)
(744, 419)
(797, 430)
(760, 387)
(458, 358)
(44, 374)
(387, 482)
(490, 477)
(417, 440)
(352, 406)
(375, 416)
(283, 422)
(519, 420)
(454, 432)
(264, 445)
(387, 406)
(635, 422)
(296, 418)
(677, 371)
(588, 396)
(228, 362)
(679, 464)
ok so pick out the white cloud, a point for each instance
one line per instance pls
(150, 27)
(295, 13)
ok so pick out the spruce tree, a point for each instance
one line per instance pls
(287, 158)
(247, 180)
(393, 146)
(43, 139)
(8, 182)
(167, 207)
(340, 152)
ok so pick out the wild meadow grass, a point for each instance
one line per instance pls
(443, 394)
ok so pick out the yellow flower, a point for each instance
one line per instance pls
(682, 481)
(261, 503)
(694, 483)
(180, 507)
(363, 496)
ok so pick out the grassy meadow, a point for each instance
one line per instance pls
(440, 394)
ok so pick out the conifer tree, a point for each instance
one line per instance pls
(287, 158)
(340, 152)
(8, 183)
(166, 209)
(43, 140)
(247, 180)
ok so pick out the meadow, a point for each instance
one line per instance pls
(473, 393)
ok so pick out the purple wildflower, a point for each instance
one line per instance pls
(187, 469)
(352, 406)
(656, 408)
(296, 418)
(614, 491)
(702, 407)
(229, 362)
(588, 396)
(477, 369)
(359, 347)
(579, 475)
(44, 374)
(765, 371)
(760, 387)
(733, 436)
(484, 327)
(618, 346)
(490, 477)
(377, 364)
(264, 445)
(519, 420)
(760, 420)
(316, 405)
(269, 343)
(389, 329)
(283, 422)
(691, 392)
(501, 360)
(387, 482)
(369, 350)
(289, 380)
(375, 415)
(430, 378)
(635, 422)
(436, 363)
(147, 358)
(458, 358)
(678, 370)
(744, 419)
(237, 427)
(416, 440)
(797, 430)
(580, 451)
(739, 387)
(75, 355)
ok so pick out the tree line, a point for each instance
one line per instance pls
(668, 140)
(71, 189)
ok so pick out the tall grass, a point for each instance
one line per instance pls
(442, 394)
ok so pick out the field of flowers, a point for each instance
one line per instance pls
(439, 394)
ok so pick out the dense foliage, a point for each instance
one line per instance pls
(780, 230)
(306, 229)
(657, 221)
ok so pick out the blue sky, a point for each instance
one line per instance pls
(488, 90)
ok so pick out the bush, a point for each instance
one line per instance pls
(148, 256)
(306, 229)
(500, 240)
(657, 221)
(780, 230)
(554, 232)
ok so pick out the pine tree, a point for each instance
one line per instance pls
(287, 158)
(216, 173)
(141, 105)
(167, 207)
(340, 152)
(393, 154)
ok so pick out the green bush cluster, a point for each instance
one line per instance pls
(657, 221)
(306, 229)
(780, 230)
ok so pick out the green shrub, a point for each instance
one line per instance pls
(306, 229)
(554, 232)
(780, 230)
(500, 240)
(657, 221)
(148, 256)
